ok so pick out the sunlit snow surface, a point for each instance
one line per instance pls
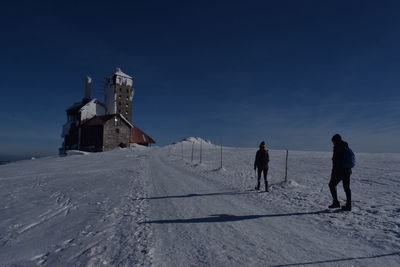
(150, 207)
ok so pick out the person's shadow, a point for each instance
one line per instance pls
(231, 193)
(215, 218)
(397, 253)
(218, 218)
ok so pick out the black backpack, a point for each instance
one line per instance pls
(349, 159)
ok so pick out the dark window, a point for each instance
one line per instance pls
(117, 130)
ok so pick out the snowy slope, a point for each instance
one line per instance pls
(74, 211)
(148, 207)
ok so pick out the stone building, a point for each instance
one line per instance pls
(94, 126)
(119, 94)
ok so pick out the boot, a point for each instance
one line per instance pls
(347, 207)
(266, 187)
(335, 205)
(257, 187)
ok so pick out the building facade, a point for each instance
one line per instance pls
(119, 94)
(94, 126)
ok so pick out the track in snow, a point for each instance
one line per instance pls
(148, 207)
(199, 221)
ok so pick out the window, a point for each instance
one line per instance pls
(117, 130)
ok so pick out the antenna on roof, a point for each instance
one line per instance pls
(88, 87)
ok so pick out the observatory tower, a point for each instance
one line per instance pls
(119, 94)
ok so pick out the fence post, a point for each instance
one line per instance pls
(287, 155)
(192, 150)
(221, 152)
(182, 150)
(201, 151)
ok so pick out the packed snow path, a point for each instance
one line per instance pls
(151, 207)
(198, 220)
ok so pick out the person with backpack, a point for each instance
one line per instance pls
(261, 164)
(342, 161)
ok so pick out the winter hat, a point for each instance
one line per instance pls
(262, 144)
(336, 138)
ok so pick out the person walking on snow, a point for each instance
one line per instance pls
(340, 172)
(261, 164)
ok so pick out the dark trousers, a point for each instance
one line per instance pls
(337, 176)
(265, 172)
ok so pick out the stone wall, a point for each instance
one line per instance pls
(124, 103)
(116, 133)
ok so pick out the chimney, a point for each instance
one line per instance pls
(88, 87)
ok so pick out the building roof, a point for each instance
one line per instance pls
(140, 137)
(119, 72)
(101, 120)
(78, 105)
(137, 135)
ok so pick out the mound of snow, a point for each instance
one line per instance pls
(289, 184)
(137, 146)
(76, 152)
(196, 140)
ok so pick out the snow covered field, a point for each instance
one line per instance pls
(148, 207)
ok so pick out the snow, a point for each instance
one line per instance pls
(74, 211)
(123, 78)
(146, 206)
(76, 152)
(91, 109)
(196, 140)
(119, 72)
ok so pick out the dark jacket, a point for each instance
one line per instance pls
(338, 155)
(262, 159)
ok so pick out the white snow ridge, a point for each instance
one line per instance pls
(196, 140)
(159, 207)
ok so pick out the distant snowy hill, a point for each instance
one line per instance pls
(149, 207)
(196, 140)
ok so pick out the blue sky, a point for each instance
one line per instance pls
(292, 73)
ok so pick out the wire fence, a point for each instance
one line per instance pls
(217, 157)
